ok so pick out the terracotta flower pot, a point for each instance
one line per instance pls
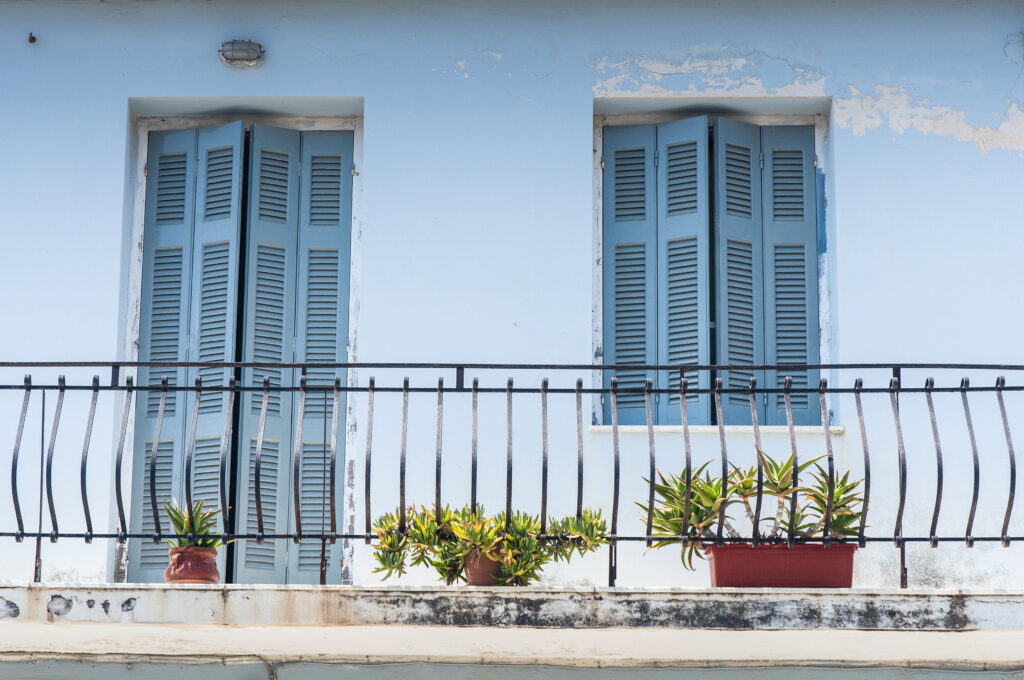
(481, 571)
(192, 564)
(803, 565)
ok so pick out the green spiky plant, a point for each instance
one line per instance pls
(444, 539)
(205, 529)
(706, 502)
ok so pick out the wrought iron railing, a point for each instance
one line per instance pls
(570, 384)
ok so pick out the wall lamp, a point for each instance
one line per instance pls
(242, 53)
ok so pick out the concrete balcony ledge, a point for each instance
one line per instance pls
(723, 609)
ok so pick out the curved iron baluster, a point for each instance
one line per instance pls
(787, 386)
(473, 465)
(683, 384)
(544, 456)
(122, 523)
(258, 465)
(933, 540)
(85, 457)
(437, 455)
(369, 458)
(296, 462)
(225, 444)
(54, 531)
(401, 462)
(826, 536)
(612, 556)
(894, 387)
(756, 529)
(968, 537)
(648, 386)
(858, 385)
(508, 467)
(20, 535)
(1005, 536)
(579, 447)
(189, 454)
(154, 452)
(334, 459)
(725, 462)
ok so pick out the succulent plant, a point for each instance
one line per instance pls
(443, 539)
(705, 501)
(205, 529)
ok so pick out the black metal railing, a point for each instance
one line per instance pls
(571, 380)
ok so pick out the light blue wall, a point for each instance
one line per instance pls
(477, 208)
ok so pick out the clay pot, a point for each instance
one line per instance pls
(803, 565)
(481, 571)
(192, 564)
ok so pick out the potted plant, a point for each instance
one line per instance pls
(806, 563)
(193, 560)
(468, 545)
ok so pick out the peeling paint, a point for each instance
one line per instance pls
(58, 605)
(894, 107)
(8, 609)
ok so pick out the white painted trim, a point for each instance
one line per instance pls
(129, 314)
(823, 161)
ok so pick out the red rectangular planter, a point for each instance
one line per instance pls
(804, 565)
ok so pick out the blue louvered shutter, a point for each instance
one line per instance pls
(213, 316)
(321, 332)
(163, 336)
(630, 263)
(268, 331)
(738, 262)
(790, 267)
(190, 289)
(683, 264)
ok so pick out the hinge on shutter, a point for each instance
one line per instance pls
(300, 168)
(762, 161)
(655, 158)
(145, 170)
(353, 171)
(764, 397)
(602, 164)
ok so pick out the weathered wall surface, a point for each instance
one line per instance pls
(476, 217)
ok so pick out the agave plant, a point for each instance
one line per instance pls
(204, 530)
(444, 539)
(705, 504)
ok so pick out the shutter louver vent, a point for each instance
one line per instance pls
(155, 554)
(630, 317)
(681, 189)
(206, 474)
(273, 186)
(325, 190)
(165, 324)
(261, 555)
(314, 493)
(268, 331)
(791, 318)
(737, 180)
(683, 334)
(788, 184)
(213, 320)
(172, 169)
(740, 302)
(219, 174)
(322, 323)
(630, 184)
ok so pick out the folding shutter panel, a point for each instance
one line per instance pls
(268, 337)
(738, 271)
(325, 215)
(791, 267)
(684, 316)
(629, 255)
(163, 336)
(214, 304)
